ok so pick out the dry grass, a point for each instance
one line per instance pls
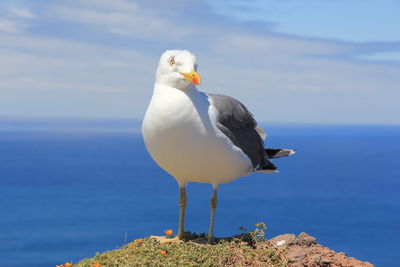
(247, 249)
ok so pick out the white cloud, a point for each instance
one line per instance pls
(50, 84)
(265, 70)
(383, 56)
(137, 21)
(38, 63)
(12, 19)
(121, 31)
(120, 5)
(9, 26)
(22, 13)
(279, 45)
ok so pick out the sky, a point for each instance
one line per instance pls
(314, 61)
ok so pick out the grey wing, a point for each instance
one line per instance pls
(239, 125)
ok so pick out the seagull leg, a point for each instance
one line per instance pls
(213, 204)
(182, 204)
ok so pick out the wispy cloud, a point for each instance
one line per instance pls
(136, 21)
(383, 56)
(38, 63)
(103, 47)
(9, 26)
(22, 13)
(13, 19)
(115, 5)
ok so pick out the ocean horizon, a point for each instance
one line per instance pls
(71, 188)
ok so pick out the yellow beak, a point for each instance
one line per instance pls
(193, 77)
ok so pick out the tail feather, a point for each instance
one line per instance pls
(267, 171)
(267, 167)
(274, 153)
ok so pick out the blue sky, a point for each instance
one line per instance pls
(288, 61)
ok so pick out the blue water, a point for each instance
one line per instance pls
(67, 193)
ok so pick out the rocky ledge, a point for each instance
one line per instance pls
(304, 250)
(249, 249)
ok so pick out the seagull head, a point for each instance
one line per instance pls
(178, 69)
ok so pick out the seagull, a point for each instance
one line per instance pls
(200, 137)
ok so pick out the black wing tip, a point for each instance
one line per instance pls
(266, 166)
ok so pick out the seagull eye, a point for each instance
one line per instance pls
(172, 62)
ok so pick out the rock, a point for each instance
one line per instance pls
(303, 250)
(163, 239)
(305, 239)
(297, 254)
(286, 239)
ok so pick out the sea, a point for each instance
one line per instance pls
(72, 188)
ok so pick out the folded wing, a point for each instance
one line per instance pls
(239, 125)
